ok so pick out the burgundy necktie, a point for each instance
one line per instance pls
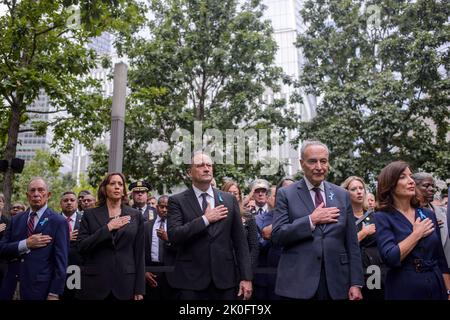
(30, 225)
(318, 198)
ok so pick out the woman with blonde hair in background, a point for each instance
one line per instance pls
(365, 226)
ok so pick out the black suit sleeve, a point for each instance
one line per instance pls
(89, 238)
(147, 236)
(252, 239)
(178, 230)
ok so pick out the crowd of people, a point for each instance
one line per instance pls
(308, 239)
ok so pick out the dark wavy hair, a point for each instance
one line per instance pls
(387, 181)
(101, 194)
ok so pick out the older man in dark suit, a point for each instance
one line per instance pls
(314, 223)
(36, 245)
(213, 257)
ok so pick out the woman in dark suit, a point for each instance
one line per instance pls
(408, 239)
(111, 244)
(365, 227)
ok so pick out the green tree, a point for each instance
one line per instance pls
(206, 60)
(43, 45)
(381, 71)
(46, 166)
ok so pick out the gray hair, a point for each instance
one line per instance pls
(37, 179)
(308, 143)
(418, 177)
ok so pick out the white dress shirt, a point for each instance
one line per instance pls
(155, 239)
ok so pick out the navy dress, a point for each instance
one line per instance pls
(419, 275)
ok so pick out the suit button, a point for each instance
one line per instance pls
(22, 260)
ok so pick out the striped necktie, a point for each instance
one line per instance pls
(30, 225)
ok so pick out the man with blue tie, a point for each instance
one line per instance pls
(314, 223)
(36, 245)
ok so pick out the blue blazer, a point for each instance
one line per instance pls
(40, 271)
(335, 244)
(403, 282)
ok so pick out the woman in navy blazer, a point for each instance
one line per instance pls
(409, 240)
(111, 244)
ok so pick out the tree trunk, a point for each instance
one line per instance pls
(10, 153)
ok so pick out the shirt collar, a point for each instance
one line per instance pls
(41, 211)
(311, 186)
(199, 192)
(264, 208)
(73, 217)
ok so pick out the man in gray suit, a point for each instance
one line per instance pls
(314, 223)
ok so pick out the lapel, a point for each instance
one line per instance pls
(403, 220)
(23, 221)
(218, 200)
(43, 222)
(305, 196)
(102, 215)
(193, 202)
(120, 232)
(77, 221)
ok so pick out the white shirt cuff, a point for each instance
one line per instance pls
(205, 220)
(23, 247)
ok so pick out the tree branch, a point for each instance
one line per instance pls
(45, 112)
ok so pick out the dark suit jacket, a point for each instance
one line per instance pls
(41, 271)
(74, 257)
(112, 261)
(167, 247)
(304, 250)
(207, 253)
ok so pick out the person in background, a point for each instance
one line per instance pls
(425, 191)
(371, 203)
(69, 211)
(16, 208)
(248, 221)
(408, 239)
(81, 195)
(111, 244)
(274, 252)
(158, 252)
(139, 192)
(152, 202)
(365, 226)
(88, 202)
